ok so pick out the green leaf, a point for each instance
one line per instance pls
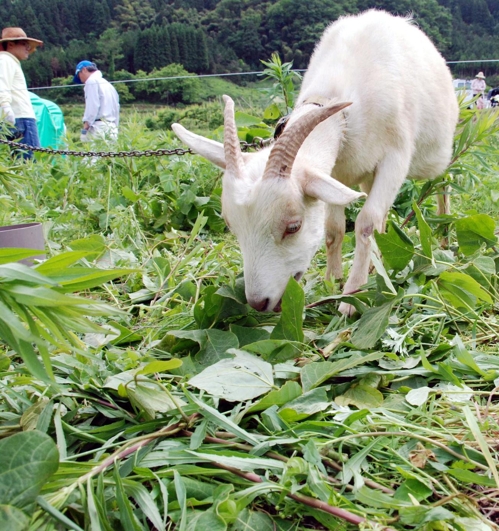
(241, 378)
(415, 488)
(13, 519)
(14, 254)
(396, 247)
(276, 350)
(480, 439)
(248, 520)
(206, 520)
(362, 396)
(151, 399)
(305, 405)
(474, 231)
(372, 325)
(95, 245)
(160, 366)
(313, 374)
(126, 516)
(424, 232)
(89, 278)
(60, 262)
(290, 325)
(289, 391)
(214, 343)
(466, 476)
(461, 290)
(27, 461)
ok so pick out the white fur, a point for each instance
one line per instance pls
(400, 125)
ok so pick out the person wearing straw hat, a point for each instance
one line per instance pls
(478, 89)
(15, 104)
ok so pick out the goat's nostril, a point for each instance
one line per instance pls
(298, 275)
(259, 305)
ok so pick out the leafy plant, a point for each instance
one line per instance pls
(145, 393)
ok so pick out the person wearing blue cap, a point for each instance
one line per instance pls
(102, 105)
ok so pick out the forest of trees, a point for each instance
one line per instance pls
(215, 36)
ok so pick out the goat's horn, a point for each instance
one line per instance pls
(233, 155)
(284, 152)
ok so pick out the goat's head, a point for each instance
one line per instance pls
(274, 206)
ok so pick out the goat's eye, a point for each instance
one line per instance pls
(292, 228)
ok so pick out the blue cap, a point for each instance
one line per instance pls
(79, 68)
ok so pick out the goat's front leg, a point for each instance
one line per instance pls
(335, 232)
(390, 175)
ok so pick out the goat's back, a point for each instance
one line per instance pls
(400, 88)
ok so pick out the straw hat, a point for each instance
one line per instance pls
(17, 34)
(480, 75)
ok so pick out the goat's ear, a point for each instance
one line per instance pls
(321, 186)
(207, 148)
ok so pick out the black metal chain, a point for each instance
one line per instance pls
(245, 146)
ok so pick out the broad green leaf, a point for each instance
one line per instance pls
(372, 325)
(206, 520)
(378, 499)
(95, 245)
(396, 247)
(276, 350)
(415, 488)
(40, 296)
(13, 519)
(424, 231)
(249, 520)
(248, 336)
(362, 396)
(417, 397)
(60, 262)
(291, 321)
(14, 254)
(305, 405)
(246, 120)
(27, 461)
(474, 231)
(420, 514)
(160, 366)
(289, 391)
(461, 290)
(313, 374)
(272, 112)
(467, 476)
(23, 273)
(213, 343)
(92, 278)
(151, 399)
(236, 379)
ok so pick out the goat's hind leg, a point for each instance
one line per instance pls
(389, 177)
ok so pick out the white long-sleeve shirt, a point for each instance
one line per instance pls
(478, 85)
(13, 88)
(101, 100)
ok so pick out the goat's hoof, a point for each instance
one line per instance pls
(347, 309)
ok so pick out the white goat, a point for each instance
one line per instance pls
(376, 106)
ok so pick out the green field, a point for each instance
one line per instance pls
(139, 391)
